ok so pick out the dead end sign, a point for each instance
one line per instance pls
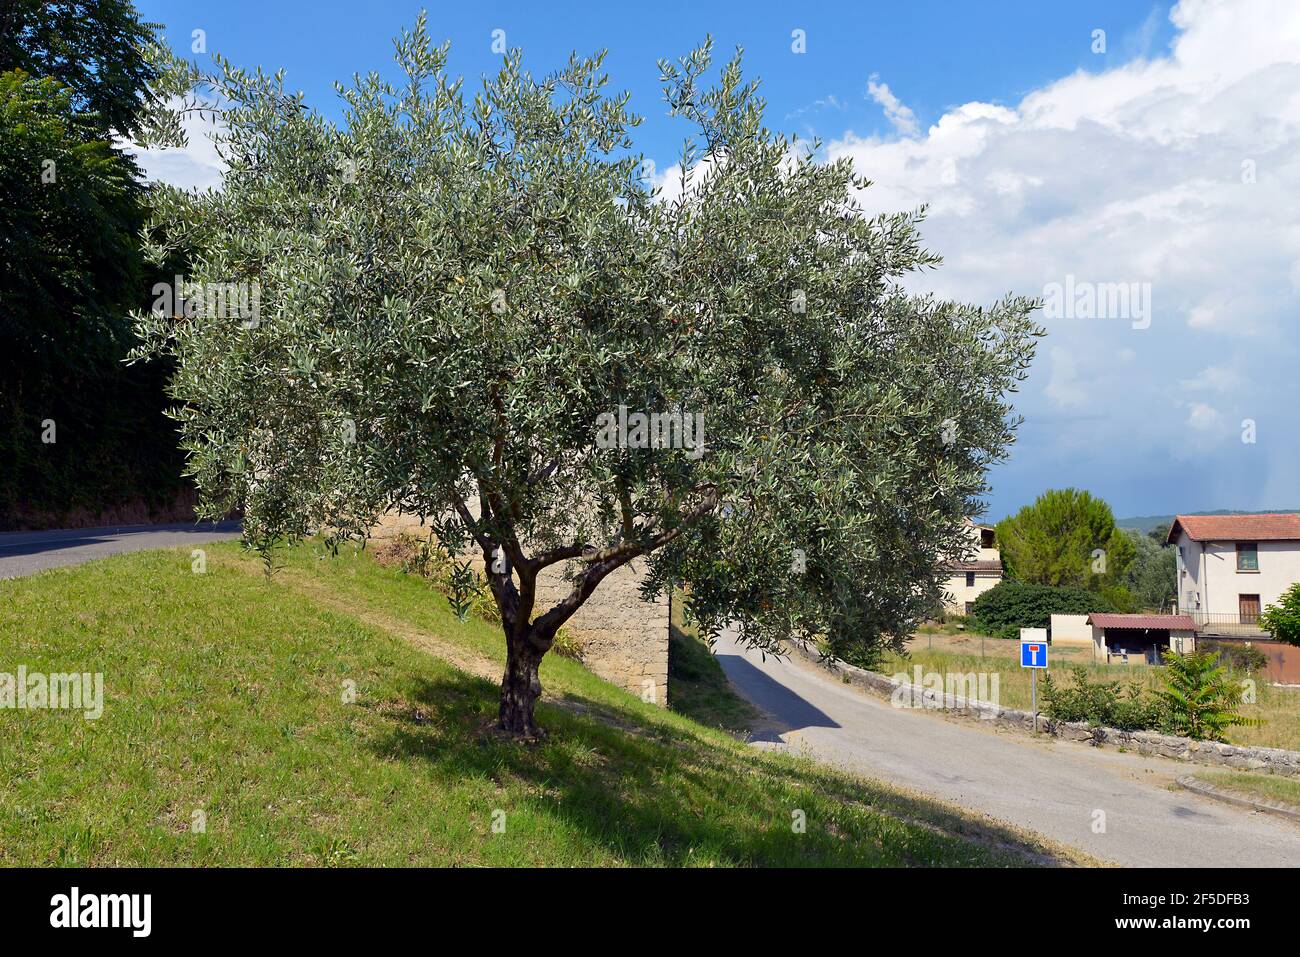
(1033, 653)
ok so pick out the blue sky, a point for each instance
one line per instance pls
(933, 54)
(1166, 162)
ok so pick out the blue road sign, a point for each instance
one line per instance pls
(1033, 653)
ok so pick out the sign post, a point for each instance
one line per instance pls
(1033, 655)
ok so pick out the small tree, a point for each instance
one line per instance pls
(463, 304)
(1282, 620)
(95, 51)
(1066, 537)
(1200, 700)
(1151, 577)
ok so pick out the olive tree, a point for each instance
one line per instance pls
(467, 304)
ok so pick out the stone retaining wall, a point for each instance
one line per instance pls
(1210, 753)
(623, 639)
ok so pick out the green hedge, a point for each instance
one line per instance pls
(1009, 606)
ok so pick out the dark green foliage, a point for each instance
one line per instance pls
(1150, 578)
(1104, 703)
(95, 50)
(1009, 606)
(69, 219)
(71, 209)
(1119, 597)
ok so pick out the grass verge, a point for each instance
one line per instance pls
(1267, 786)
(228, 694)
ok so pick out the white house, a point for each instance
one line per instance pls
(1231, 566)
(970, 578)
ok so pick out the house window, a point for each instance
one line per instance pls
(1249, 608)
(970, 579)
(1247, 557)
(970, 607)
(986, 538)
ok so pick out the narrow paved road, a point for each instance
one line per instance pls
(1052, 787)
(22, 553)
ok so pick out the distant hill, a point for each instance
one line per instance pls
(1145, 523)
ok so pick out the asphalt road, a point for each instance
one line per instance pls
(22, 553)
(1052, 787)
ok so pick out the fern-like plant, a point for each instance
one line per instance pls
(1200, 699)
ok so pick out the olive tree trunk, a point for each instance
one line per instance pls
(520, 687)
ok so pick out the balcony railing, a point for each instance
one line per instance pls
(1218, 623)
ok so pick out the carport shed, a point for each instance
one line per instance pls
(1140, 639)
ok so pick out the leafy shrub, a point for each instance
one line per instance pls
(1236, 656)
(1009, 606)
(466, 590)
(853, 653)
(1282, 620)
(1200, 699)
(1102, 703)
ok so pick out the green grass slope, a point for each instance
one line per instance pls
(697, 685)
(225, 693)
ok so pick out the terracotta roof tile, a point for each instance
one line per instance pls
(1172, 622)
(1273, 527)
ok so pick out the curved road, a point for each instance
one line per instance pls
(22, 553)
(1053, 787)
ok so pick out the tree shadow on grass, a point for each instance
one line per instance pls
(654, 794)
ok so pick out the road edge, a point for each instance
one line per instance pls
(1205, 789)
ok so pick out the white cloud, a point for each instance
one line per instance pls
(671, 183)
(1180, 170)
(1214, 379)
(1065, 388)
(197, 165)
(1204, 418)
(901, 116)
(829, 102)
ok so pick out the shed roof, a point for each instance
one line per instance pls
(1171, 622)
